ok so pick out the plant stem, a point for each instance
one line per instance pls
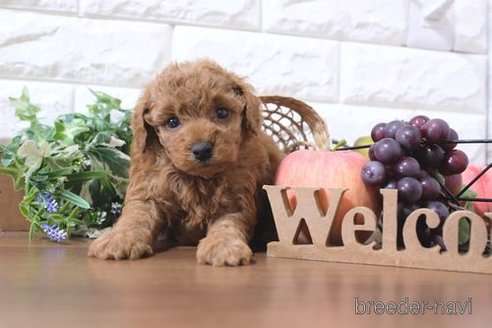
(470, 199)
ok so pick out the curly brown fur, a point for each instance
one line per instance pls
(213, 201)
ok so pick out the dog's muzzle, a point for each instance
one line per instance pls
(202, 151)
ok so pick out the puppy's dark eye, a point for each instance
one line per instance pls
(222, 113)
(173, 123)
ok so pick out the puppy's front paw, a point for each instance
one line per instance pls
(223, 251)
(118, 244)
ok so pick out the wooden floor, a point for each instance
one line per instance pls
(49, 285)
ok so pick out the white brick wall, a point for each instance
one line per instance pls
(237, 14)
(375, 21)
(71, 49)
(412, 78)
(301, 67)
(357, 62)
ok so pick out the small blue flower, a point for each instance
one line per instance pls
(49, 203)
(115, 208)
(54, 233)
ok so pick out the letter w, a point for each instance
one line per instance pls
(308, 208)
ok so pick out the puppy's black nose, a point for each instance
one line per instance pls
(202, 151)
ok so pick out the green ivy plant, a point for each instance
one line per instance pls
(74, 172)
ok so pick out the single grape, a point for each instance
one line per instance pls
(423, 174)
(452, 136)
(438, 207)
(370, 153)
(408, 136)
(435, 130)
(390, 173)
(431, 189)
(441, 210)
(407, 167)
(391, 128)
(430, 156)
(453, 183)
(387, 151)
(377, 132)
(409, 190)
(419, 120)
(403, 210)
(391, 184)
(374, 173)
(424, 234)
(455, 162)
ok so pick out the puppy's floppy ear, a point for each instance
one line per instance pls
(144, 136)
(252, 113)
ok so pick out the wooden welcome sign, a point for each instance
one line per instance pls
(413, 256)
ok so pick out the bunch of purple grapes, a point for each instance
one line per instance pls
(410, 157)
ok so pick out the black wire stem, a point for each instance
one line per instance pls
(464, 141)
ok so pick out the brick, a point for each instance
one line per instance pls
(377, 21)
(53, 99)
(403, 77)
(430, 25)
(83, 50)
(65, 6)
(238, 14)
(273, 64)
(470, 27)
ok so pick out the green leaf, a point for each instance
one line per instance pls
(58, 218)
(7, 159)
(114, 160)
(470, 193)
(464, 231)
(13, 172)
(108, 186)
(58, 172)
(17, 175)
(104, 98)
(464, 224)
(87, 176)
(26, 204)
(73, 198)
(59, 131)
(39, 177)
(106, 139)
(70, 127)
(24, 209)
(341, 143)
(24, 110)
(32, 230)
(33, 154)
(102, 193)
(25, 94)
(71, 218)
(3, 149)
(9, 151)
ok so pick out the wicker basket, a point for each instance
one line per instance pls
(293, 124)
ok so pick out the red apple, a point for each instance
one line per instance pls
(329, 169)
(482, 187)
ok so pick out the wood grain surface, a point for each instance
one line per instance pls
(44, 284)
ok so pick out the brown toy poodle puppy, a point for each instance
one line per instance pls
(199, 159)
